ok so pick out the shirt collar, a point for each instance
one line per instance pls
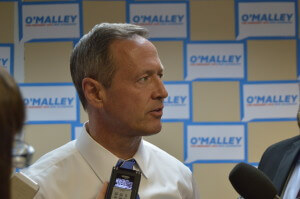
(101, 160)
(142, 158)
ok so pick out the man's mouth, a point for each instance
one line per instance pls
(157, 112)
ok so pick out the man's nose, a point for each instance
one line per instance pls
(160, 90)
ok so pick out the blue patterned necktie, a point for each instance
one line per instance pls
(127, 165)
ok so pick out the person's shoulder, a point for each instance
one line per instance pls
(159, 153)
(283, 144)
(279, 149)
(59, 171)
(274, 154)
(48, 161)
(165, 158)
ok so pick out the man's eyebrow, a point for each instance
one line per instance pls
(150, 72)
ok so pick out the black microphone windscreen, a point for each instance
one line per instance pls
(251, 183)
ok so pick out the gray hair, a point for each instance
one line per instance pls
(91, 57)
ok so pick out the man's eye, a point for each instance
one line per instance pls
(143, 79)
(160, 75)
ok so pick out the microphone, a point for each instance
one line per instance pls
(251, 183)
(22, 153)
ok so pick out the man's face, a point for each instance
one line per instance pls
(134, 102)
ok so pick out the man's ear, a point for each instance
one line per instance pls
(93, 92)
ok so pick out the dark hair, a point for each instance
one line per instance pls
(12, 116)
(91, 56)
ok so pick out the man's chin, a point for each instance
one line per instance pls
(153, 131)
(148, 128)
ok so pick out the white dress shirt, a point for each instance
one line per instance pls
(78, 169)
(293, 185)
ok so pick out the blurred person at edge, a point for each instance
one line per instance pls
(12, 116)
(281, 163)
(117, 73)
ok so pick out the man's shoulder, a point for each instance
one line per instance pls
(287, 143)
(160, 153)
(164, 157)
(62, 169)
(52, 159)
(275, 152)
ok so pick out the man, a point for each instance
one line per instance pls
(281, 163)
(117, 74)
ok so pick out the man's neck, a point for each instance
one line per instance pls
(123, 147)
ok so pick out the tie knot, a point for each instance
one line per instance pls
(128, 164)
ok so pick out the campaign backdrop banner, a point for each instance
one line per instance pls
(266, 19)
(217, 142)
(6, 57)
(50, 103)
(214, 60)
(76, 131)
(163, 20)
(270, 101)
(177, 104)
(50, 21)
